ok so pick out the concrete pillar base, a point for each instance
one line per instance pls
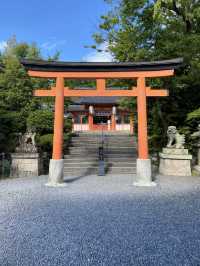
(56, 173)
(144, 176)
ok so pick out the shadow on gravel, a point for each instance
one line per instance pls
(87, 173)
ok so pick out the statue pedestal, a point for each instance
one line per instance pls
(25, 164)
(197, 167)
(175, 162)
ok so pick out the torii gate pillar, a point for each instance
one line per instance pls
(56, 165)
(143, 165)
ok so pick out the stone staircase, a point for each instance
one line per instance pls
(82, 156)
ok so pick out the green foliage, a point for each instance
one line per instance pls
(15, 100)
(22, 50)
(45, 142)
(11, 122)
(80, 83)
(67, 125)
(128, 103)
(18, 108)
(191, 124)
(187, 10)
(15, 86)
(41, 121)
(145, 30)
(194, 115)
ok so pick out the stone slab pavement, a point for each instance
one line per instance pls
(100, 221)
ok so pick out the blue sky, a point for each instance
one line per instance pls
(64, 25)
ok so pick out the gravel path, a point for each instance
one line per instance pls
(100, 221)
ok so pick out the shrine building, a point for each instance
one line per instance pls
(100, 113)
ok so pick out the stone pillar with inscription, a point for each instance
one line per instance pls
(175, 159)
(26, 161)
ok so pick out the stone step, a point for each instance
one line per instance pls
(100, 141)
(97, 142)
(114, 147)
(107, 156)
(106, 146)
(94, 170)
(120, 168)
(99, 133)
(82, 157)
(81, 165)
(70, 158)
(111, 139)
(109, 143)
(130, 162)
(106, 149)
(108, 162)
(96, 164)
(104, 135)
(121, 171)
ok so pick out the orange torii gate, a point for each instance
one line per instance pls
(100, 72)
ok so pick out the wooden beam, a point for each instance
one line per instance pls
(101, 75)
(101, 92)
(89, 93)
(101, 85)
(93, 93)
(155, 93)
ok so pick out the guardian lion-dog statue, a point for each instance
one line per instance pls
(175, 140)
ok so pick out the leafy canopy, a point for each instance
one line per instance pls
(146, 30)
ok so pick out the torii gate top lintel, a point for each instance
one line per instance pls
(41, 68)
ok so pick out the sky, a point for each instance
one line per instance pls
(62, 25)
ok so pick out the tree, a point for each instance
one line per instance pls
(154, 30)
(15, 100)
(18, 108)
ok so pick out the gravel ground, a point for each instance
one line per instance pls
(100, 221)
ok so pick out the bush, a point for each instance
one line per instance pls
(45, 142)
(67, 125)
(41, 121)
(45, 145)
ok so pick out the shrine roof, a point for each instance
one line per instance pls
(80, 103)
(58, 66)
(76, 108)
(97, 100)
